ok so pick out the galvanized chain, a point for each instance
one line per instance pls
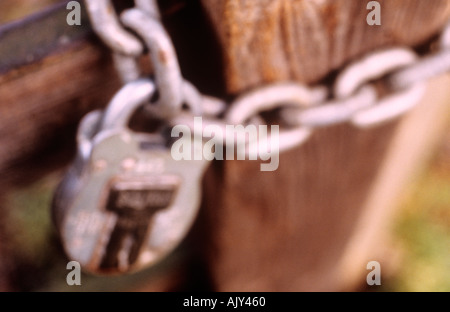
(353, 98)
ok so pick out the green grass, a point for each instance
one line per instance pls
(423, 229)
(30, 222)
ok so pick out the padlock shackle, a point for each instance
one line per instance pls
(120, 109)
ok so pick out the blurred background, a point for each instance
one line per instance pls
(32, 259)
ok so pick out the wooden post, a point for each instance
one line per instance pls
(292, 229)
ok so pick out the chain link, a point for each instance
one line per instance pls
(332, 112)
(165, 63)
(108, 27)
(353, 99)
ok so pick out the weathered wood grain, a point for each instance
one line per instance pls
(270, 40)
(289, 230)
(39, 99)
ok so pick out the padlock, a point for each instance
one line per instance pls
(125, 203)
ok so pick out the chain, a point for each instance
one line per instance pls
(354, 97)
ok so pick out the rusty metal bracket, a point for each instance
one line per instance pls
(31, 39)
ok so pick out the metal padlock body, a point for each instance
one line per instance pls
(117, 156)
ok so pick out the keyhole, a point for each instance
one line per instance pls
(135, 209)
